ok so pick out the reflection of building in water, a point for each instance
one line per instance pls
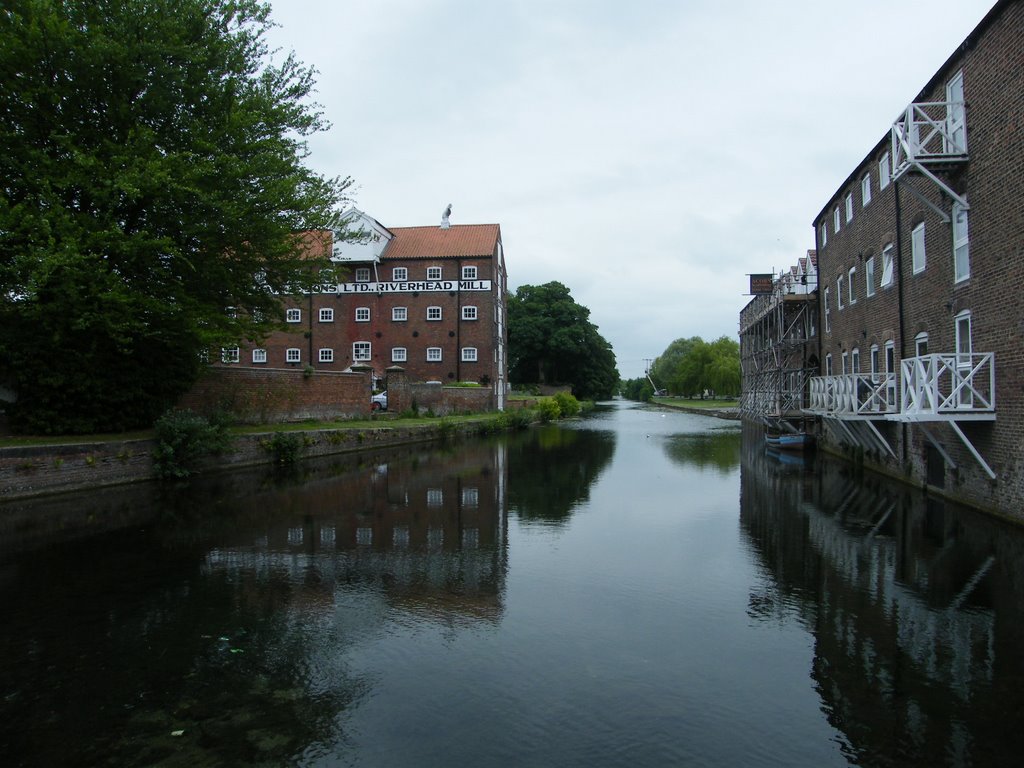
(902, 598)
(426, 534)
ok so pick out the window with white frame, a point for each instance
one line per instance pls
(435, 497)
(326, 355)
(887, 269)
(469, 313)
(229, 354)
(961, 248)
(400, 274)
(362, 274)
(917, 254)
(469, 273)
(293, 355)
(433, 273)
(869, 276)
(469, 354)
(835, 219)
(433, 313)
(259, 355)
(399, 354)
(855, 360)
(839, 292)
(890, 373)
(865, 190)
(823, 234)
(293, 315)
(828, 364)
(433, 354)
(326, 315)
(921, 345)
(849, 207)
(851, 289)
(828, 319)
(874, 363)
(883, 171)
(399, 314)
(470, 497)
(846, 362)
(362, 314)
(360, 350)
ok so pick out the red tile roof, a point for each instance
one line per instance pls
(434, 242)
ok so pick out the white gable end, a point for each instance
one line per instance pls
(362, 239)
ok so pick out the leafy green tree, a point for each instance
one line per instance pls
(664, 368)
(690, 367)
(638, 389)
(151, 181)
(552, 341)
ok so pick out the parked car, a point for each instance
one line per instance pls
(379, 402)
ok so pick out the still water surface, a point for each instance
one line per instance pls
(639, 588)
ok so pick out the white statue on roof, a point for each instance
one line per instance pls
(445, 224)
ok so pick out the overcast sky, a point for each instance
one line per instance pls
(647, 154)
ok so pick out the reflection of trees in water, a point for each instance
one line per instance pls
(551, 470)
(718, 449)
(902, 594)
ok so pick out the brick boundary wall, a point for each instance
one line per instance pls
(31, 471)
(266, 395)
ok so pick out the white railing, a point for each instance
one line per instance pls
(929, 131)
(853, 394)
(948, 384)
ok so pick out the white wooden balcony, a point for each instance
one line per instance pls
(948, 387)
(853, 396)
(927, 136)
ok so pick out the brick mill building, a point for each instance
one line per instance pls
(430, 300)
(920, 262)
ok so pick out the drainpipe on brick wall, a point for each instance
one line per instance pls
(310, 321)
(458, 322)
(899, 304)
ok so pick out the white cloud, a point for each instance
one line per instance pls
(647, 155)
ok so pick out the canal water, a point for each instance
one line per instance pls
(638, 588)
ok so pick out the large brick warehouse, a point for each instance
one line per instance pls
(431, 300)
(920, 263)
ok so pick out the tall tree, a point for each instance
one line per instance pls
(152, 179)
(552, 341)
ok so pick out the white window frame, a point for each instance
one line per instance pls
(469, 273)
(362, 314)
(469, 312)
(229, 354)
(835, 220)
(259, 355)
(846, 362)
(293, 355)
(434, 355)
(851, 288)
(874, 363)
(399, 354)
(828, 364)
(326, 315)
(918, 256)
(888, 268)
(961, 244)
(839, 292)
(823, 234)
(326, 355)
(362, 274)
(362, 351)
(434, 313)
(921, 344)
(884, 172)
(865, 190)
(890, 371)
(399, 314)
(293, 315)
(433, 273)
(828, 310)
(400, 274)
(869, 276)
(855, 360)
(849, 207)
(469, 354)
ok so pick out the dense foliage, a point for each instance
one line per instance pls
(151, 179)
(552, 341)
(184, 439)
(693, 367)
